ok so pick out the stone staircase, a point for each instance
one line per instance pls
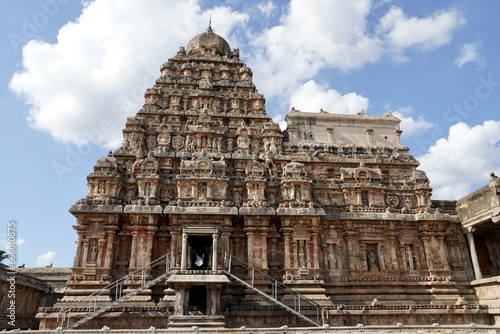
(91, 302)
(304, 308)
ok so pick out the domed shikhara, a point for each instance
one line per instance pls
(208, 42)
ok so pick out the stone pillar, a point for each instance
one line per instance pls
(426, 238)
(330, 135)
(102, 243)
(179, 301)
(213, 300)
(149, 244)
(225, 241)
(184, 251)
(215, 237)
(452, 242)
(295, 250)
(79, 245)
(194, 190)
(288, 263)
(443, 253)
(209, 190)
(109, 248)
(473, 255)
(250, 248)
(359, 200)
(369, 133)
(85, 252)
(403, 260)
(392, 250)
(133, 251)
(263, 245)
(314, 237)
(398, 136)
(173, 247)
(351, 264)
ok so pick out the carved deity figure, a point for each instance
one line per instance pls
(130, 195)
(332, 259)
(290, 192)
(147, 189)
(254, 192)
(244, 142)
(372, 260)
(272, 146)
(230, 145)
(235, 104)
(175, 101)
(190, 143)
(256, 146)
(257, 104)
(151, 141)
(409, 258)
(302, 260)
(101, 187)
(237, 198)
(206, 74)
(93, 254)
(408, 202)
(177, 142)
(135, 140)
(164, 139)
(218, 144)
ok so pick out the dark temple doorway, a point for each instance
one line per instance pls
(198, 299)
(200, 252)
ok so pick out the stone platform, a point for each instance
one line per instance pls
(299, 330)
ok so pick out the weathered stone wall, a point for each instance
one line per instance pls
(29, 294)
(485, 200)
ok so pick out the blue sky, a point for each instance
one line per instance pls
(71, 73)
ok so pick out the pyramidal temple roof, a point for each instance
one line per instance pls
(203, 138)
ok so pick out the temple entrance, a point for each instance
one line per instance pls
(197, 300)
(199, 252)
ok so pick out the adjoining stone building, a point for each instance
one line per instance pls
(20, 298)
(480, 212)
(231, 218)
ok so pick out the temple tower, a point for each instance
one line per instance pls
(334, 207)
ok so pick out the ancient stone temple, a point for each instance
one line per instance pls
(210, 215)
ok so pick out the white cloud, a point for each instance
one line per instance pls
(410, 125)
(266, 8)
(319, 34)
(404, 110)
(469, 53)
(312, 97)
(401, 31)
(312, 35)
(46, 259)
(281, 121)
(83, 87)
(463, 161)
(4, 243)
